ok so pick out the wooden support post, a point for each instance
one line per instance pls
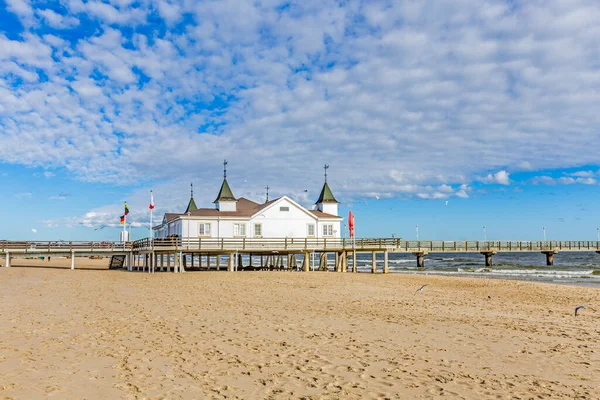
(323, 262)
(306, 261)
(344, 261)
(72, 259)
(181, 265)
(7, 264)
(550, 257)
(230, 263)
(218, 267)
(488, 257)
(250, 260)
(193, 260)
(386, 268)
(420, 258)
(374, 265)
(168, 262)
(354, 269)
(240, 264)
(338, 267)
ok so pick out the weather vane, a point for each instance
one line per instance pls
(267, 192)
(192, 189)
(225, 169)
(326, 168)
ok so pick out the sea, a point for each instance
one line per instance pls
(580, 268)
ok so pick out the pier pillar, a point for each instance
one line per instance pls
(181, 265)
(386, 269)
(374, 265)
(550, 256)
(230, 263)
(240, 264)
(218, 267)
(72, 260)
(354, 261)
(168, 262)
(344, 261)
(420, 258)
(488, 257)
(306, 261)
(323, 262)
(7, 264)
(338, 267)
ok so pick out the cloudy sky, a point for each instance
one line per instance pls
(446, 114)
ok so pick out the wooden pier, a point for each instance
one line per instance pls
(178, 255)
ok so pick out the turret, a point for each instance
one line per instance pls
(225, 200)
(192, 204)
(326, 202)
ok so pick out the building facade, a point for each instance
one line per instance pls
(234, 217)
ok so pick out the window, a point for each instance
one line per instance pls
(239, 229)
(258, 230)
(311, 230)
(328, 230)
(284, 209)
(204, 230)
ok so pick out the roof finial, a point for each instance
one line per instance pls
(326, 168)
(192, 189)
(267, 193)
(224, 169)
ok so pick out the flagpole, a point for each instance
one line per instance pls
(151, 203)
(124, 225)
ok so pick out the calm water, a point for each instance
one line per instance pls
(577, 268)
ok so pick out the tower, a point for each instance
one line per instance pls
(326, 202)
(192, 204)
(225, 200)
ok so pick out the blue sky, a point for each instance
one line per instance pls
(450, 115)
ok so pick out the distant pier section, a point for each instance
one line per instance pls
(177, 254)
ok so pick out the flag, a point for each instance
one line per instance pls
(126, 209)
(151, 206)
(351, 223)
(122, 219)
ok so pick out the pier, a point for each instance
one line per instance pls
(179, 255)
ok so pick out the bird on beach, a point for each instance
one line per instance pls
(578, 308)
(420, 289)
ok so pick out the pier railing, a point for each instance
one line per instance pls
(362, 244)
(295, 244)
(63, 246)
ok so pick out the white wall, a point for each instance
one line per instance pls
(329, 208)
(275, 224)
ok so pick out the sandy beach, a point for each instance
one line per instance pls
(94, 333)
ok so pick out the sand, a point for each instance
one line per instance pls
(96, 333)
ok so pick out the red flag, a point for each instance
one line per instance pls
(351, 223)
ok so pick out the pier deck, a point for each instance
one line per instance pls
(153, 252)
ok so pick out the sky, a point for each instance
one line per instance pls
(447, 115)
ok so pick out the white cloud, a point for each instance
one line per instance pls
(500, 178)
(58, 21)
(33, 230)
(398, 98)
(564, 180)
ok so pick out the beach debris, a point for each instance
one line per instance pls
(420, 289)
(489, 297)
(578, 308)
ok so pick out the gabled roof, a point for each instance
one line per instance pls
(321, 214)
(191, 206)
(225, 193)
(326, 196)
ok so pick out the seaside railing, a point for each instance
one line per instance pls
(297, 244)
(64, 246)
(365, 244)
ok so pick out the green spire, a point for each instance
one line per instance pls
(225, 193)
(326, 196)
(192, 204)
